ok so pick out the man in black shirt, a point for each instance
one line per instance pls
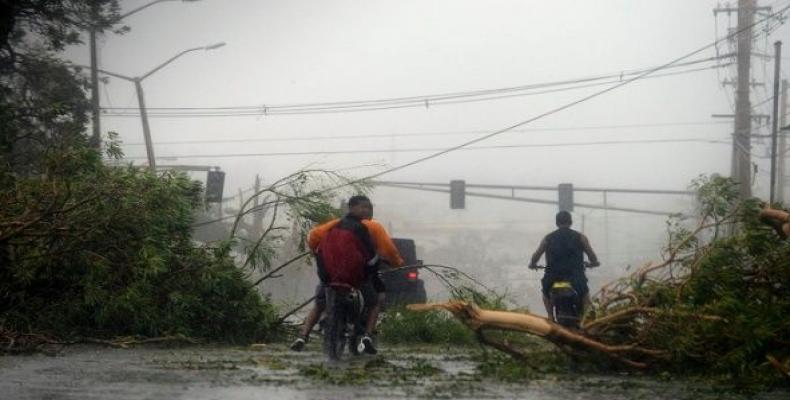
(564, 249)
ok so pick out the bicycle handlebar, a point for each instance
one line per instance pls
(587, 264)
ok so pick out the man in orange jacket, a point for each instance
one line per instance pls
(347, 253)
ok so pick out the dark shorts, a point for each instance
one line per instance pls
(370, 292)
(579, 284)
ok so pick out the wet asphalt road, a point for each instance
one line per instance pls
(272, 372)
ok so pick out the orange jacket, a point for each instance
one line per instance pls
(384, 246)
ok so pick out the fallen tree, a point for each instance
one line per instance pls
(481, 320)
(716, 304)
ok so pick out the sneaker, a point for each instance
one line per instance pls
(366, 345)
(298, 344)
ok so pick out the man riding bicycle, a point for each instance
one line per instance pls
(348, 251)
(565, 249)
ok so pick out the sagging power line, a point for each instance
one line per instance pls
(405, 102)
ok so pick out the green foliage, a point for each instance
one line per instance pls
(720, 306)
(57, 23)
(716, 194)
(400, 325)
(87, 249)
(744, 279)
(489, 300)
(32, 142)
(283, 211)
(122, 261)
(43, 109)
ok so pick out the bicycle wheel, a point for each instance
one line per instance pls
(567, 312)
(335, 334)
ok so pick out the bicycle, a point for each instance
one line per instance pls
(344, 324)
(566, 302)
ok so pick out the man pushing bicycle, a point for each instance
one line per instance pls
(348, 252)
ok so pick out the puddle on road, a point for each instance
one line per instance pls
(86, 372)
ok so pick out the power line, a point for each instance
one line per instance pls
(555, 110)
(455, 95)
(423, 134)
(387, 104)
(412, 150)
(542, 115)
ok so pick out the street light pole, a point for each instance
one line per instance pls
(775, 119)
(149, 145)
(95, 104)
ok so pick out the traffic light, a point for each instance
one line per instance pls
(565, 196)
(457, 194)
(215, 182)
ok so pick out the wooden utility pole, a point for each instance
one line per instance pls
(742, 161)
(775, 119)
(780, 192)
(95, 107)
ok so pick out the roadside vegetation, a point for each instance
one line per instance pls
(92, 249)
(715, 306)
(402, 326)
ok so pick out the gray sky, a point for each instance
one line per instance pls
(284, 52)
(297, 52)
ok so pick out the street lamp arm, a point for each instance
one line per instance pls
(96, 137)
(162, 65)
(138, 9)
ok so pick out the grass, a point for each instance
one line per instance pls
(402, 326)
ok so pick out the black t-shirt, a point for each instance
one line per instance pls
(564, 253)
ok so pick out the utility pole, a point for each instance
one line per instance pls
(775, 119)
(96, 136)
(606, 223)
(149, 146)
(257, 219)
(782, 144)
(95, 103)
(742, 162)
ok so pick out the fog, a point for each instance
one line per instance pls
(655, 133)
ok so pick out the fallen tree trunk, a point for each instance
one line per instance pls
(481, 320)
(777, 219)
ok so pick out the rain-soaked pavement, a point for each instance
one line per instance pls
(272, 372)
